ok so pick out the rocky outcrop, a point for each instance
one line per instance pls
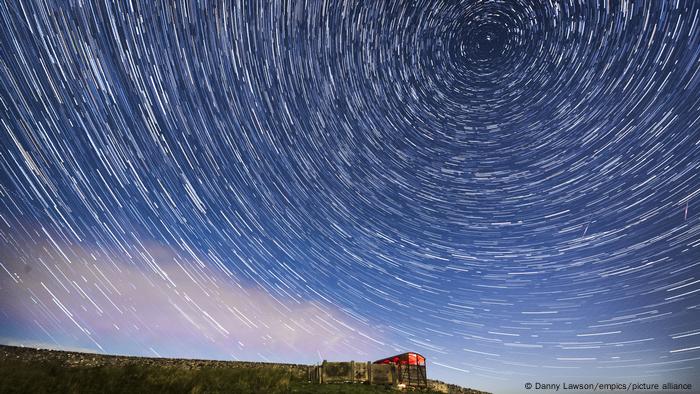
(448, 388)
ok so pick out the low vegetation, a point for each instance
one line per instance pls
(18, 376)
(52, 377)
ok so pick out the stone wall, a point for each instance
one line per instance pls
(300, 371)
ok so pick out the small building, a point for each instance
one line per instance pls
(403, 370)
(410, 369)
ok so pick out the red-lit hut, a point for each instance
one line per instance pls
(410, 368)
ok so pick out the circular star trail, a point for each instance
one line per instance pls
(511, 188)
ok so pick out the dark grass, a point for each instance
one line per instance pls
(55, 377)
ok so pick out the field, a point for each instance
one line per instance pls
(41, 371)
(56, 378)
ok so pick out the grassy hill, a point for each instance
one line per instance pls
(24, 370)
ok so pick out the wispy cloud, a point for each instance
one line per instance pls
(75, 297)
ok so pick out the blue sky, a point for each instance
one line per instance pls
(508, 188)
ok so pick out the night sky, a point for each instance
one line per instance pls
(510, 188)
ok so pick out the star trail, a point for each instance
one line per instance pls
(510, 188)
